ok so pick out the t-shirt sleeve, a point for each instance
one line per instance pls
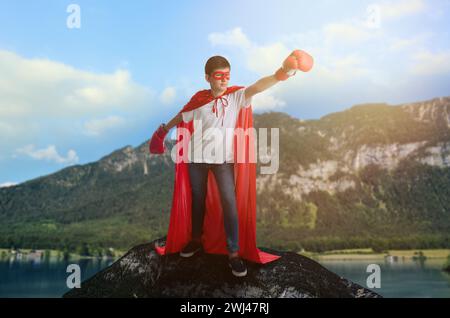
(241, 101)
(188, 116)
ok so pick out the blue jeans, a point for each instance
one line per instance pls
(224, 175)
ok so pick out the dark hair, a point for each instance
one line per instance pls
(215, 63)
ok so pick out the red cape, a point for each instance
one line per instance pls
(214, 237)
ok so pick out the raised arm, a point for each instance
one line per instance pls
(173, 122)
(260, 86)
(297, 60)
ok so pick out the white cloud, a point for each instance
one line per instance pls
(234, 37)
(330, 68)
(43, 97)
(347, 54)
(7, 184)
(412, 43)
(329, 65)
(168, 95)
(266, 101)
(429, 63)
(98, 127)
(259, 58)
(41, 88)
(346, 33)
(398, 9)
(266, 59)
(343, 69)
(49, 154)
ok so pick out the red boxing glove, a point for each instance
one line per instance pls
(297, 60)
(304, 60)
(157, 142)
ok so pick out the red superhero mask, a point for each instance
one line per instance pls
(219, 75)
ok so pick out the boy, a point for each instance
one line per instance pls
(216, 112)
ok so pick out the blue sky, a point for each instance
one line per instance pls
(73, 95)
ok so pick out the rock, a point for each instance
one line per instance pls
(144, 273)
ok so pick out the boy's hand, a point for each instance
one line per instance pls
(157, 141)
(297, 60)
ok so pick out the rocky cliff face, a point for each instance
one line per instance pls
(435, 111)
(365, 135)
(144, 273)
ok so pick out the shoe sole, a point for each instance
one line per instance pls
(189, 254)
(243, 274)
(239, 274)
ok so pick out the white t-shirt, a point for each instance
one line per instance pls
(211, 141)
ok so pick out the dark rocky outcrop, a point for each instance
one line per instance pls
(144, 273)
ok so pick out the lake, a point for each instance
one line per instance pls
(42, 278)
(404, 278)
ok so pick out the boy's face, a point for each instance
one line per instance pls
(218, 79)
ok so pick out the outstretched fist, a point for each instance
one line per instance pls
(297, 60)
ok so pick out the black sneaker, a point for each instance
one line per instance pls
(190, 249)
(238, 267)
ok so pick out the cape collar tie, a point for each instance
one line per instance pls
(224, 101)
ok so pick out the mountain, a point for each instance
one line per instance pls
(373, 175)
(120, 200)
(143, 273)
